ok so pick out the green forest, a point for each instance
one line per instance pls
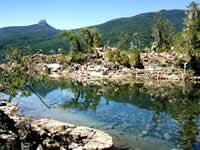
(136, 29)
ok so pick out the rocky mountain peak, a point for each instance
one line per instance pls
(43, 22)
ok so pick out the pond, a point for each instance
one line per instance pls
(140, 115)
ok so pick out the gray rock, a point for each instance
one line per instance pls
(28, 133)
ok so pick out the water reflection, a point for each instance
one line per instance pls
(180, 104)
(185, 109)
(145, 109)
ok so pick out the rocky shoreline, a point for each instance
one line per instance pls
(21, 132)
(157, 66)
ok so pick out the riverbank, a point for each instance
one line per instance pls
(21, 132)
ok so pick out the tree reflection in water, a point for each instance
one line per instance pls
(185, 109)
(182, 103)
(162, 100)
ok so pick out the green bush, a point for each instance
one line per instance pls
(64, 60)
(109, 54)
(90, 50)
(164, 48)
(116, 56)
(68, 59)
(78, 57)
(124, 59)
(62, 52)
(135, 59)
(179, 62)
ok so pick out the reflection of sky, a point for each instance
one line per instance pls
(3, 96)
(123, 113)
(58, 96)
(128, 119)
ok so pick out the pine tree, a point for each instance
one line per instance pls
(74, 38)
(123, 43)
(20, 74)
(96, 37)
(191, 31)
(162, 33)
(88, 38)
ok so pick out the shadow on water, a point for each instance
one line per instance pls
(165, 111)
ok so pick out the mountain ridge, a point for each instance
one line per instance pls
(115, 19)
(44, 36)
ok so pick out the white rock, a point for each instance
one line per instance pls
(54, 67)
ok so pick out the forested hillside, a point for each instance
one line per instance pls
(37, 36)
(43, 36)
(141, 24)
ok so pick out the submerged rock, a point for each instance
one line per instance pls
(19, 132)
(167, 136)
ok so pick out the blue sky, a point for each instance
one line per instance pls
(71, 14)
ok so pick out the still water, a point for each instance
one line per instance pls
(139, 115)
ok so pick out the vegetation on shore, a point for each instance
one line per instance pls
(19, 74)
(84, 42)
(165, 40)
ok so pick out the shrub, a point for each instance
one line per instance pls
(135, 59)
(64, 60)
(124, 59)
(180, 62)
(90, 50)
(109, 54)
(78, 57)
(164, 48)
(62, 52)
(68, 59)
(116, 56)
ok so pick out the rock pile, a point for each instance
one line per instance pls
(162, 66)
